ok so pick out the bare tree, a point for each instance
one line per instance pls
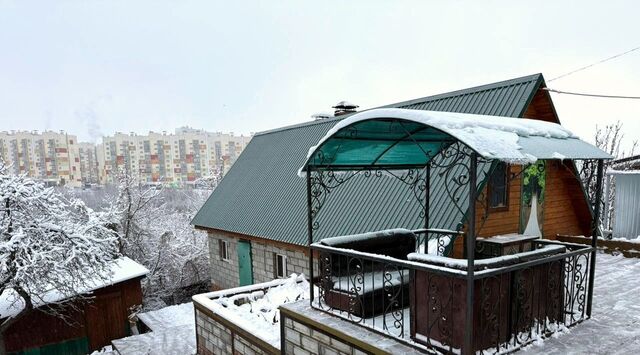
(52, 249)
(159, 236)
(211, 180)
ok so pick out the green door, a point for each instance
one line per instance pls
(244, 263)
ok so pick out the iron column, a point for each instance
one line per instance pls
(594, 233)
(470, 246)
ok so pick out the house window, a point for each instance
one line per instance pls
(498, 189)
(224, 249)
(280, 265)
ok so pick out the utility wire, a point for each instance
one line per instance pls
(593, 64)
(592, 95)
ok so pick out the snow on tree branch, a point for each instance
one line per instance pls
(49, 243)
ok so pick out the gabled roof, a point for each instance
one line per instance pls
(262, 196)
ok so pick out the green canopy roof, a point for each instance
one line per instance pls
(400, 138)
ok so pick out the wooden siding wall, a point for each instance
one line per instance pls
(541, 108)
(96, 320)
(39, 328)
(565, 208)
(490, 223)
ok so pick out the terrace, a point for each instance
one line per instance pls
(442, 289)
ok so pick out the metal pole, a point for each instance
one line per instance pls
(594, 234)
(470, 246)
(427, 197)
(310, 233)
(606, 190)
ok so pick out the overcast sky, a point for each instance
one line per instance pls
(96, 67)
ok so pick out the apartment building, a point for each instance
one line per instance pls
(179, 158)
(88, 163)
(52, 157)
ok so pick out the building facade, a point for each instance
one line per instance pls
(180, 158)
(88, 164)
(52, 157)
(259, 206)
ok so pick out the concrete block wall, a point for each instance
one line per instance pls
(303, 340)
(308, 331)
(224, 274)
(263, 268)
(214, 336)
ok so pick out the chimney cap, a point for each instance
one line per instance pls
(345, 105)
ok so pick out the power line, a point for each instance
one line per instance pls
(593, 64)
(592, 95)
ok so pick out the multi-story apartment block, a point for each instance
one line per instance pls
(52, 157)
(179, 158)
(88, 163)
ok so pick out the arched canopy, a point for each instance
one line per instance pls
(400, 139)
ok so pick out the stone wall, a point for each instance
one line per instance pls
(217, 336)
(224, 273)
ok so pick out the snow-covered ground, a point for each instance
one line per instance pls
(168, 317)
(615, 324)
(172, 333)
(613, 329)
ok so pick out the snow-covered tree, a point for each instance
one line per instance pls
(211, 180)
(159, 236)
(49, 244)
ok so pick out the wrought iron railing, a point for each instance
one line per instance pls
(424, 304)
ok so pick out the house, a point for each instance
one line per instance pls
(86, 326)
(490, 284)
(256, 219)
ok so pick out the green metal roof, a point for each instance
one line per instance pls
(263, 196)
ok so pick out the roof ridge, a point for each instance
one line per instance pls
(473, 89)
(450, 94)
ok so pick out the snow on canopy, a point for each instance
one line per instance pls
(513, 140)
(120, 270)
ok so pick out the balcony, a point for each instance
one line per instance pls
(385, 281)
(462, 289)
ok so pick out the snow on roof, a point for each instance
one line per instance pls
(516, 140)
(623, 172)
(122, 269)
(168, 317)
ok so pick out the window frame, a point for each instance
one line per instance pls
(223, 245)
(507, 169)
(276, 263)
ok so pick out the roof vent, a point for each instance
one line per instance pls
(344, 107)
(321, 115)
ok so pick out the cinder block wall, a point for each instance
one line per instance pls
(224, 273)
(215, 336)
(300, 339)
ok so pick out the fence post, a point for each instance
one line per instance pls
(310, 234)
(470, 247)
(594, 234)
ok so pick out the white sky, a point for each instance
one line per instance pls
(95, 67)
